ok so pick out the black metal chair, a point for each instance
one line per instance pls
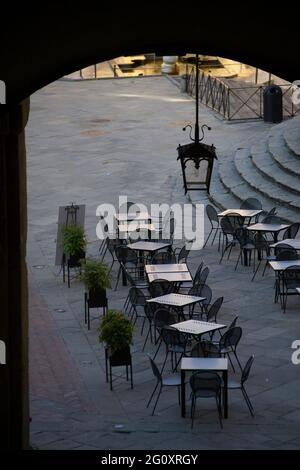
(162, 317)
(128, 259)
(292, 231)
(272, 219)
(160, 287)
(234, 385)
(214, 224)
(138, 301)
(245, 240)
(229, 224)
(182, 255)
(172, 381)
(212, 312)
(206, 385)
(175, 343)
(228, 344)
(263, 252)
(290, 281)
(251, 203)
(201, 290)
(163, 257)
(149, 310)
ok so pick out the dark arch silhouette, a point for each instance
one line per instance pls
(45, 43)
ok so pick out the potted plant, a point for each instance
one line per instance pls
(96, 277)
(116, 331)
(74, 244)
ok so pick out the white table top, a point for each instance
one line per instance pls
(241, 212)
(176, 300)
(268, 227)
(196, 327)
(147, 246)
(282, 265)
(133, 226)
(165, 268)
(293, 242)
(124, 216)
(204, 363)
(172, 277)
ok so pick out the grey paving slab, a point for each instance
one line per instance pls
(88, 142)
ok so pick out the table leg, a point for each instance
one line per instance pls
(182, 393)
(225, 393)
(275, 237)
(245, 254)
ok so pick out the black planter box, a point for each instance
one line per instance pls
(97, 298)
(74, 260)
(119, 358)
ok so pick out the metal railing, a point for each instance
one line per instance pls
(235, 102)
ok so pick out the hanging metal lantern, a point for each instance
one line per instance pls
(197, 159)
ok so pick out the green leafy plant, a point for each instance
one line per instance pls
(95, 274)
(74, 240)
(115, 330)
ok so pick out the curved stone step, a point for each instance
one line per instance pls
(221, 196)
(269, 169)
(292, 136)
(248, 172)
(240, 189)
(279, 151)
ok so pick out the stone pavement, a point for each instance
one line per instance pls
(88, 142)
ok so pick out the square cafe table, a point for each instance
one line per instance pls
(244, 213)
(142, 246)
(282, 265)
(269, 228)
(204, 364)
(197, 327)
(171, 276)
(293, 242)
(178, 301)
(166, 268)
(127, 216)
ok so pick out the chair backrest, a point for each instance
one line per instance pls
(233, 323)
(163, 257)
(198, 350)
(149, 309)
(137, 296)
(198, 272)
(203, 276)
(292, 231)
(230, 223)
(164, 317)
(155, 370)
(172, 337)
(212, 213)
(183, 255)
(246, 369)
(214, 310)
(251, 203)
(160, 287)
(210, 382)
(206, 292)
(243, 236)
(231, 337)
(126, 206)
(271, 219)
(271, 211)
(124, 254)
(286, 254)
(260, 242)
(291, 276)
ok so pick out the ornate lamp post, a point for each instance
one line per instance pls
(197, 159)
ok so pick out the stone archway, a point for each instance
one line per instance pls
(46, 44)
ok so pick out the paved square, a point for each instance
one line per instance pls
(89, 142)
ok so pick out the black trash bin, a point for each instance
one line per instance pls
(272, 104)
